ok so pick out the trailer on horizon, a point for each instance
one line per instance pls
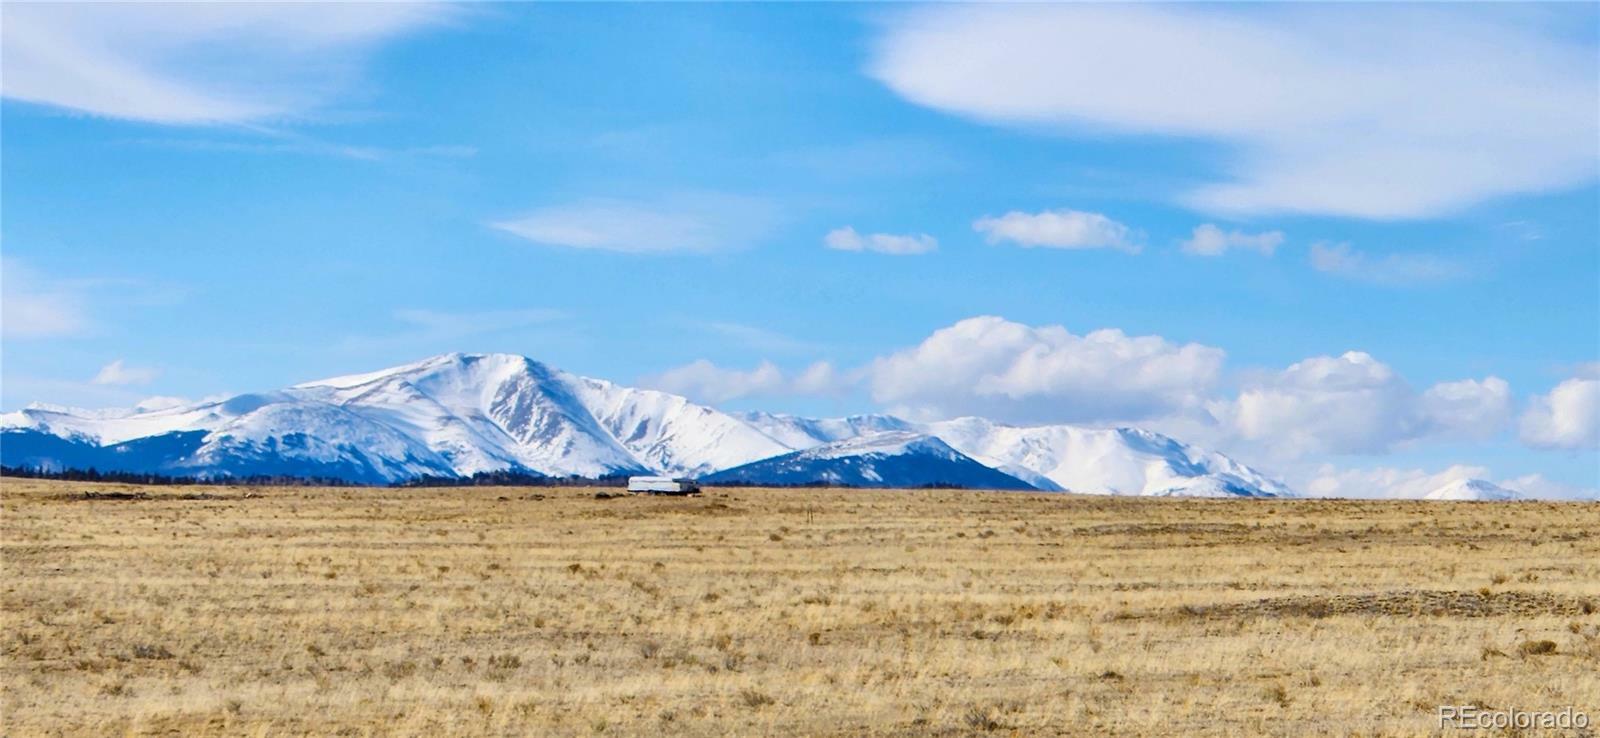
(663, 486)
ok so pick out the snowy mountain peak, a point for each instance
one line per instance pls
(1471, 489)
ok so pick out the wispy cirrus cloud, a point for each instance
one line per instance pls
(34, 305)
(196, 64)
(119, 373)
(277, 143)
(691, 223)
(39, 305)
(1209, 240)
(1394, 112)
(1395, 269)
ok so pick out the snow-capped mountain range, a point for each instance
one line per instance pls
(456, 415)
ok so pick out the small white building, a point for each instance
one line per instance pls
(663, 485)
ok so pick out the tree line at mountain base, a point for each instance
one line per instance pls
(481, 479)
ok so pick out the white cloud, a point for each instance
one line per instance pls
(120, 374)
(1536, 486)
(289, 142)
(1346, 404)
(1010, 371)
(820, 379)
(1209, 240)
(35, 306)
(1058, 229)
(847, 239)
(1567, 417)
(161, 402)
(1410, 484)
(1354, 403)
(1386, 482)
(1391, 269)
(704, 381)
(1392, 112)
(1019, 373)
(691, 224)
(195, 64)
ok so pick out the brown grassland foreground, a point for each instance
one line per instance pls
(525, 611)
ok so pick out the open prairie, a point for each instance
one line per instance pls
(529, 611)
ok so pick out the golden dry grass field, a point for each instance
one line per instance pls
(523, 611)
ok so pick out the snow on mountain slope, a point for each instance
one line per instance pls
(485, 413)
(455, 414)
(796, 432)
(880, 459)
(488, 412)
(1471, 489)
(1121, 461)
(115, 426)
(669, 433)
(281, 437)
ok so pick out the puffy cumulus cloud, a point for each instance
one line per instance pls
(1058, 229)
(704, 381)
(1014, 372)
(847, 239)
(1354, 403)
(119, 373)
(1017, 373)
(1394, 112)
(1209, 240)
(188, 64)
(820, 379)
(1469, 408)
(697, 223)
(1568, 417)
(1390, 269)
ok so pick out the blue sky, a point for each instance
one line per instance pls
(201, 200)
